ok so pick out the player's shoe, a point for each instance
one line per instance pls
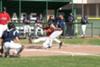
(60, 44)
(6, 54)
(49, 47)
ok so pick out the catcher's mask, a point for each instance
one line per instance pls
(11, 26)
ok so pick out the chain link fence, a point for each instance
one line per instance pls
(92, 30)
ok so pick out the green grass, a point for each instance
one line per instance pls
(56, 61)
(53, 61)
(90, 41)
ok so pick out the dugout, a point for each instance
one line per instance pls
(36, 7)
(44, 7)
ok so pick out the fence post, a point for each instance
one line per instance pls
(91, 29)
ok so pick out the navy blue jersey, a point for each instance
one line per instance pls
(61, 24)
(84, 20)
(9, 35)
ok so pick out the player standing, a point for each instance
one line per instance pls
(4, 20)
(84, 22)
(27, 28)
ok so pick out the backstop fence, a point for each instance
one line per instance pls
(92, 30)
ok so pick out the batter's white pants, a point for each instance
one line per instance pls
(83, 27)
(12, 45)
(52, 37)
(46, 41)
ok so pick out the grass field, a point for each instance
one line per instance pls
(82, 41)
(56, 61)
(87, 41)
(51, 61)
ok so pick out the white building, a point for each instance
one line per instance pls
(90, 8)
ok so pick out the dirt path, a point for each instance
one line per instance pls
(31, 50)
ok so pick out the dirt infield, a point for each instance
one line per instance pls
(33, 50)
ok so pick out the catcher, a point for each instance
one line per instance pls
(10, 39)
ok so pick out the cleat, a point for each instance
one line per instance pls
(48, 47)
(60, 44)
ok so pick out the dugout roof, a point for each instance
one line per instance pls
(33, 5)
(52, 4)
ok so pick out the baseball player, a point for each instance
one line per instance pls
(54, 32)
(84, 22)
(38, 27)
(58, 30)
(4, 20)
(27, 28)
(9, 37)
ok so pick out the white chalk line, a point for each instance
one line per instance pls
(61, 52)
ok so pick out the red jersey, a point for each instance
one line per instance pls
(4, 18)
(49, 31)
